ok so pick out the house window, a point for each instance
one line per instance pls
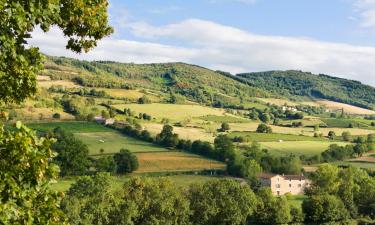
(277, 185)
(290, 185)
(278, 192)
(299, 185)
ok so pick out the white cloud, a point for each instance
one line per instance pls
(222, 47)
(366, 10)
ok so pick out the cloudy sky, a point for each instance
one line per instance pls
(334, 37)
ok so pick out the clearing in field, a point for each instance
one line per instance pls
(171, 111)
(347, 108)
(111, 142)
(174, 161)
(72, 126)
(307, 148)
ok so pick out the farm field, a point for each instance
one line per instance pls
(113, 141)
(188, 133)
(64, 83)
(307, 148)
(174, 161)
(347, 108)
(182, 181)
(172, 112)
(222, 119)
(344, 123)
(72, 126)
(263, 137)
(279, 102)
(364, 165)
(130, 94)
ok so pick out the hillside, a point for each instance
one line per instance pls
(196, 83)
(297, 83)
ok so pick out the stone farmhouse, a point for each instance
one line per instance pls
(282, 184)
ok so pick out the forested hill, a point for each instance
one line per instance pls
(291, 83)
(193, 82)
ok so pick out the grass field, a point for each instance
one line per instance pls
(347, 108)
(73, 126)
(113, 141)
(171, 111)
(364, 165)
(222, 119)
(296, 200)
(129, 94)
(64, 83)
(183, 132)
(279, 102)
(298, 147)
(344, 123)
(260, 137)
(174, 161)
(117, 182)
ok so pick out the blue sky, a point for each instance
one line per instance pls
(334, 37)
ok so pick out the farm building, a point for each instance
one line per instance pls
(282, 184)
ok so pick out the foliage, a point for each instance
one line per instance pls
(126, 161)
(89, 200)
(224, 127)
(167, 137)
(221, 202)
(297, 83)
(263, 128)
(151, 201)
(25, 177)
(18, 63)
(72, 154)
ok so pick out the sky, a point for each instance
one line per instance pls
(335, 37)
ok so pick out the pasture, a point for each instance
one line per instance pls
(71, 126)
(347, 108)
(171, 111)
(363, 165)
(63, 83)
(222, 119)
(129, 94)
(344, 123)
(112, 141)
(307, 148)
(263, 137)
(174, 161)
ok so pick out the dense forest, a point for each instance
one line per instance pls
(297, 83)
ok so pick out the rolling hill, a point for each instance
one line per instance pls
(297, 83)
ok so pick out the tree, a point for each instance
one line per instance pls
(72, 153)
(89, 200)
(106, 164)
(25, 178)
(224, 148)
(83, 22)
(167, 137)
(263, 128)
(221, 202)
(324, 208)
(224, 127)
(151, 201)
(105, 114)
(126, 161)
(331, 134)
(144, 100)
(346, 136)
(270, 209)
(56, 116)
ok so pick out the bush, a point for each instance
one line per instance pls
(56, 116)
(126, 161)
(263, 128)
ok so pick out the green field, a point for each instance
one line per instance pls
(344, 123)
(113, 141)
(262, 137)
(296, 200)
(74, 127)
(171, 111)
(222, 119)
(182, 181)
(298, 147)
(363, 165)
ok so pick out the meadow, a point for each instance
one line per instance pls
(307, 148)
(264, 137)
(174, 161)
(344, 123)
(363, 165)
(224, 119)
(71, 126)
(112, 141)
(171, 111)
